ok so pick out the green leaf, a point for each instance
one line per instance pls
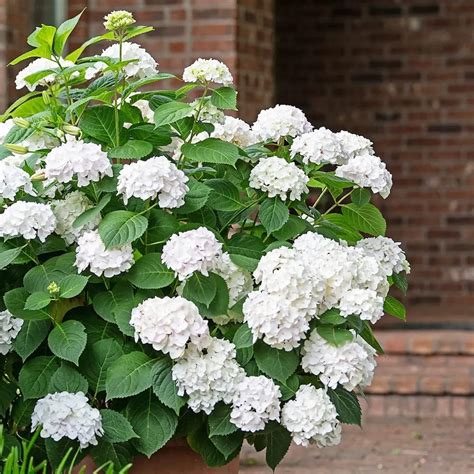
(195, 198)
(395, 308)
(161, 226)
(92, 213)
(278, 441)
(74, 56)
(333, 317)
(150, 273)
(347, 406)
(129, 375)
(106, 303)
(400, 280)
(219, 421)
(132, 150)
(117, 429)
(99, 123)
(273, 214)
(290, 387)
(369, 337)
(200, 289)
(211, 150)
(243, 337)
(30, 337)
(35, 376)
(224, 195)
(275, 363)
(68, 340)
(220, 304)
(146, 81)
(8, 391)
(119, 454)
(361, 196)
(68, 379)
(121, 227)
(172, 112)
(15, 301)
(96, 361)
(224, 98)
(58, 450)
(199, 442)
(164, 386)
(37, 300)
(63, 32)
(229, 445)
(245, 251)
(291, 229)
(8, 256)
(366, 218)
(154, 423)
(72, 285)
(334, 335)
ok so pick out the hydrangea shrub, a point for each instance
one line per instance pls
(171, 271)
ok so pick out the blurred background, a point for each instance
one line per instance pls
(400, 72)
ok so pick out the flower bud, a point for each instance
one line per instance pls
(53, 288)
(59, 133)
(46, 97)
(71, 130)
(21, 122)
(118, 20)
(39, 176)
(18, 149)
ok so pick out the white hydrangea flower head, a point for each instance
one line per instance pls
(276, 177)
(208, 112)
(354, 145)
(67, 210)
(67, 415)
(12, 179)
(364, 302)
(367, 171)
(351, 365)
(280, 121)
(368, 273)
(234, 130)
(75, 158)
(27, 219)
(9, 329)
(192, 251)
(239, 282)
(36, 66)
(388, 253)
(168, 324)
(273, 318)
(91, 252)
(208, 374)
(143, 106)
(256, 402)
(152, 178)
(206, 71)
(311, 418)
(319, 146)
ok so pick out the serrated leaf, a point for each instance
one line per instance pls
(150, 273)
(400, 280)
(68, 379)
(243, 337)
(161, 226)
(224, 196)
(394, 307)
(211, 150)
(366, 218)
(117, 429)
(273, 214)
(336, 336)
(347, 406)
(219, 421)
(37, 301)
(63, 32)
(72, 285)
(68, 340)
(35, 376)
(164, 386)
(99, 123)
(15, 301)
(291, 229)
(229, 445)
(199, 441)
(30, 337)
(360, 196)
(119, 454)
(277, 364)
(200, 288)
(121, 227)
(92, 213)
(278, 441)
(224, 98)
(8, 256)
(290, 387)
(132, 150)
(172, 112)
(333, 317)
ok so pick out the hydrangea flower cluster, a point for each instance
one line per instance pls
(12, 179)
(67, 415)
(208, 71)
(234, 130)
(9, 329)
(152, 178)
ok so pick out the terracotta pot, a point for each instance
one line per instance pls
(175, 458)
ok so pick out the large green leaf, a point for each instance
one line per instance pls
(129, 375)
(347, 405)
(150, 273)
(200, 288)
(119, 454)
(366, 218)
(224, 98)
(219, 421)
(68, 379)
(72, 285)
(117, 429)
(154, 423)
(35, 376)
(400, 281)
(99, 123)
(121, 227)
(195, 198)
(243, 337)
(92, 213)
(277, 364)
(211, 150)
(273, 214)
(161, 225)
(131, 150)
(8, 256)
(30, 337)
(199, 441)
(15, 301)
(336, 336)
(37, 300)
(245, 250)
(278, 441)
(63, 32)
(172, 112)
(224, 195)
(106, 303)
(395, 308)
(229, 445)
(68, 340)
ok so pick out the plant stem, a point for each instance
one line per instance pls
(339, 201)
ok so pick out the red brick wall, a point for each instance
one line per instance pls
(402, 73)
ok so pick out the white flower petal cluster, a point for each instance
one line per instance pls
(354, 145)
(208, 374)
(75, 158)
(388, 254)
(311, 418)
(367, 171)
(12, 179)
(208, 70)
(192, 251)
(67, 415)
(239, 282)
(27, 219)
(351, 365)
(9, 329)
(364, 302)
(234, 130)
(155, 177)
(257, 401)
(280, 121)
(36, 66)
(208, 112)
(319, 146)
(67, 210)
(277, 177)
(168, 324)
(143, 64)
(91, 252)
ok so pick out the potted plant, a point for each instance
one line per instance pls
(175, 281)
